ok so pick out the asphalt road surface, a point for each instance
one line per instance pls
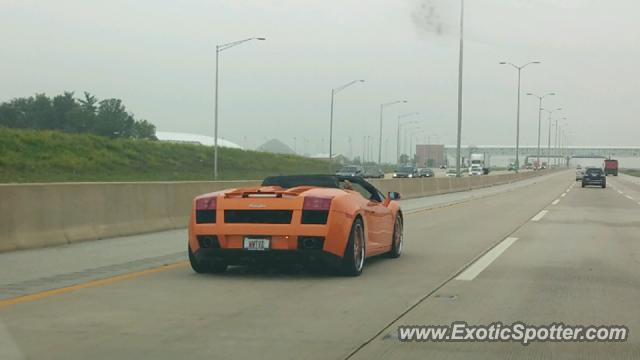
(572, 255)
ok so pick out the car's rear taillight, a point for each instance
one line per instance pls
(315, 210)
(206, 210)
(316, 203)
(208, 203)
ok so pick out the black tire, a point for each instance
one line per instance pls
(582, 184)
(397, 238)
(604, 185)
(354, 253)
(210, 267)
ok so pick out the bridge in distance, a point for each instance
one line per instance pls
(530, 152)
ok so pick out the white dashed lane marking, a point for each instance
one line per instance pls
(476, 268)
(540, 215)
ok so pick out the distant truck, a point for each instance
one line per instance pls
(477, 160)
(611, 167)
(536, 165)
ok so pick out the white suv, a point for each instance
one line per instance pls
(579, 173)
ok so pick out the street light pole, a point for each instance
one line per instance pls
(549, 138)
(333, 94)
(460, 72)
(519, 68)
(406, 134)
(382, 106)
(400, 117)
(540, 99)
(219, 49)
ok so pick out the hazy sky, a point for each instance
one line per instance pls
(159, 56)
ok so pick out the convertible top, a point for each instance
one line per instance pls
(291, 181)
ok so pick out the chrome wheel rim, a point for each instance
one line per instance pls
(358, 247)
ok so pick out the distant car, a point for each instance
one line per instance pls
(443, 166)
(475, 170)
(372, 172)
(452, 172)
(579, 173)
(406, 172)
(337, 220)
(425, 173)
(352, 170)
(594, 176)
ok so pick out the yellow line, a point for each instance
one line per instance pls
(95, 283)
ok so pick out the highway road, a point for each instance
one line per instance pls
(568, 255)
(465, 171)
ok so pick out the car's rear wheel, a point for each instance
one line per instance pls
(353, 259)
(582, 184)
(397, 238)
(604, 185)
(206, 267)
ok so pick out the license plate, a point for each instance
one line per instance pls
(257, 244)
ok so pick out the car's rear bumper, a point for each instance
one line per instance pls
(283, 237)
(241, 256)
(593, 181)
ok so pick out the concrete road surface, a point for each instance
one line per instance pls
(572, 256)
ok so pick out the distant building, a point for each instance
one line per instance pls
(277, 147)
(185, 138)
(430, 155)
(337, 158)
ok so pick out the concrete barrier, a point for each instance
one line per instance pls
(38, 215)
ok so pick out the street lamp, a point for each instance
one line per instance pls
(412, 146)
(540, 98)
(460, 73)
(219, 49)
(333, 94)
(519, 68)
(407, 130)
(400, 117)
(549, 138)
(382, 106)
(557, 140)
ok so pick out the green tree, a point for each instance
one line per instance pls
(63, 112)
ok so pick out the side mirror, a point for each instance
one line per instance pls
(394, 195)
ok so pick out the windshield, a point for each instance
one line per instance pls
(251, 179)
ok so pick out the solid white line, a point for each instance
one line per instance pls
(476, 268)
(540, 215)
(555, 202)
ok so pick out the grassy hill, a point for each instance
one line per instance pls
(48, 156)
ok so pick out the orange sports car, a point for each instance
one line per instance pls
(337, 219)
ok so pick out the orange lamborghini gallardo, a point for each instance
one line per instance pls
(335, 219)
